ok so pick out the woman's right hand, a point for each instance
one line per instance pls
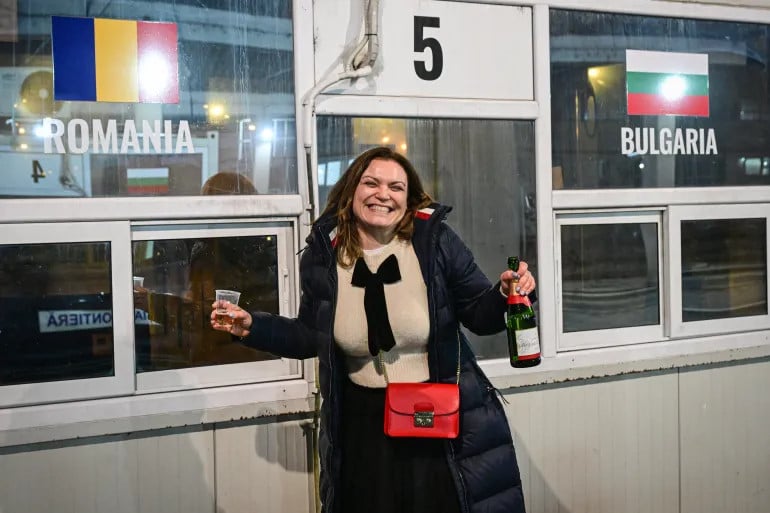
(526, 282)
(239, 319)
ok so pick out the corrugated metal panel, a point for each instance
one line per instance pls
(603, 446)
(264, 468)
(173, 473)
(725, 424)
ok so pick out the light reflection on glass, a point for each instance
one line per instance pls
(673, 87)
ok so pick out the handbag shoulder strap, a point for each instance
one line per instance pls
(385, 370)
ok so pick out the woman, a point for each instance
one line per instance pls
(379, 209)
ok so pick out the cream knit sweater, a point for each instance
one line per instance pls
(407, 302)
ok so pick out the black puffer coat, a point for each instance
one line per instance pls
(482, 458)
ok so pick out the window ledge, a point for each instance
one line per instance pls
(614, 361)
(80, 419)
(100, 417)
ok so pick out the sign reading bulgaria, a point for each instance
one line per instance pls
(667, 83)
(668, 141)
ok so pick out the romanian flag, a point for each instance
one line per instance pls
(148, 181)
(661, 83)
(104, 60)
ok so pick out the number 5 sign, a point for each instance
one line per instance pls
(433, 49)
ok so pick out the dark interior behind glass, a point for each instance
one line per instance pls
(617, 291)
(588, 101)
(173, 303)
(55, 312)
(724, 268)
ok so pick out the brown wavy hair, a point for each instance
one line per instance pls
(340, 202)
(228, 182)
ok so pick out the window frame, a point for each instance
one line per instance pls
(676, 215)
(587, 363)
(589, 339)
(127, 382)
(513, 111)
(122, 382)
(131, 413)
(191, 378)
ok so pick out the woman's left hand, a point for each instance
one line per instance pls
(526, 282)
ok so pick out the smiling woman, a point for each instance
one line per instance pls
(380, 202)
(386, 284)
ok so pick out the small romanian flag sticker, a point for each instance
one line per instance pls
(667, 83)
(105, 60)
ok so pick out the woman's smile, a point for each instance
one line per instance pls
(380, 208)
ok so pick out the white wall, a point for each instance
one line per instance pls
(602, 446)
(264, 468)
(724, 416)
(680, 441)
(673, 441)
(261, 466)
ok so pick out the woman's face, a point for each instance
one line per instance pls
(379, 202)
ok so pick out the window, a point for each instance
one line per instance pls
(232, 74)
(82, 318)
(132, 291)
(62, 323)
(601, 140)
(55, 328)
(484, 169)
(720, 268)
(674, 110)
(176, 270)
(609, 279)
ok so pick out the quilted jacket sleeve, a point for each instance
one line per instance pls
(478, 303)
(284, 336)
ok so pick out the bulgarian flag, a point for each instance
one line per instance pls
(147, 181)
(667, 83)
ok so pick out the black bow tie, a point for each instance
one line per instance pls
(380, 332)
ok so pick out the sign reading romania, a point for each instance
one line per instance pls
(109, 60)
(673, 83)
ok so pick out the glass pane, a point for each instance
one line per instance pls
(484, 169)
(174, 286)
(609, 276)
(596, 142)
(227, 77)
(55, 312)
(724, 268)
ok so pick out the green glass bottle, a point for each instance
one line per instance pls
(523, 339)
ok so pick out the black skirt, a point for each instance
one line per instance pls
(381, 474)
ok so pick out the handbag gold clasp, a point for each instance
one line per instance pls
(423, 419)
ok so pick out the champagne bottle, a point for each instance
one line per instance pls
(523, 339)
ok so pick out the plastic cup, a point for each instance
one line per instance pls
(232, 296)
(138, 282)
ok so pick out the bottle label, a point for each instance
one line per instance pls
(527, 344)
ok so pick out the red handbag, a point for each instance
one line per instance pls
(422, 410)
